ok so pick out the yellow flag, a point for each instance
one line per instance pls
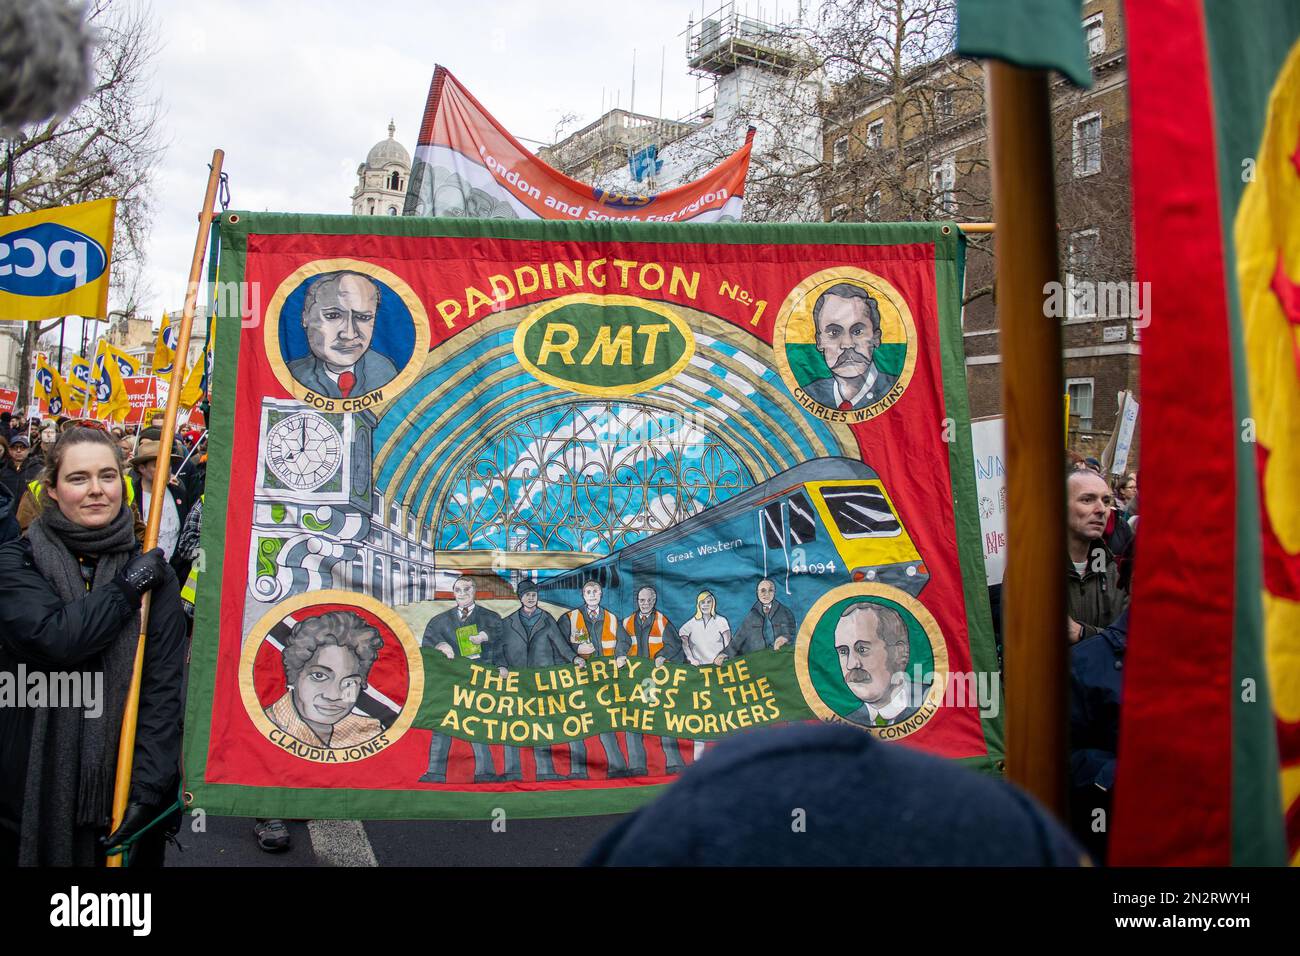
(192, 393)
(78, 382)
(56, 262)
(111, 400)
(51, 390)
(110, 358)
(164, 350)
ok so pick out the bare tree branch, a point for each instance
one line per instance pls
(109, 146)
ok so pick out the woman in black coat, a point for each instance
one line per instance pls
(71, 609)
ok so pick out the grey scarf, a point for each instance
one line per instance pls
(70, 767)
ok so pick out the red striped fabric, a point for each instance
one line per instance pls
(1174, 779)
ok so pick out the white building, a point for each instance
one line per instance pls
(382, 178)
(11, 352)
(761, 75)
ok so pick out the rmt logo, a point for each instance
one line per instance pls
(49, 259)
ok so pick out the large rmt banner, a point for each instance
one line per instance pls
(525, 516)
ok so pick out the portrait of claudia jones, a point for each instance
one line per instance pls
(327, 660)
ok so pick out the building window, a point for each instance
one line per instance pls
(392, 210)
(395, 181)
(1081, 274)
(873, 206)
(1087, 145)
(943, 182)
(875, 134)
(1080, 392)
(370, 207)
(1095, 31)
(943, 104)
(840, 151)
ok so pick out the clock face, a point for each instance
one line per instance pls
(303, 451)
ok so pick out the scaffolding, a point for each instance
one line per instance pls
(723, 40)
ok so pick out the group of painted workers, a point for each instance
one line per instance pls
(531, 637)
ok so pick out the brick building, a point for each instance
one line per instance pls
(916, 148)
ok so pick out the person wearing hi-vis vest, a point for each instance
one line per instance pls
(600, 632)
(466, 630)
(651, 635)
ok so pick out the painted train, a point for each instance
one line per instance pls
(820, 524)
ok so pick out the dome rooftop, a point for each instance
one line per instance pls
(388, 151)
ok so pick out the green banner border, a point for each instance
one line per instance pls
(1241, 87)
(343, 803)
(961, 470)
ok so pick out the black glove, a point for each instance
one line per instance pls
(143, 573)
(137, 817)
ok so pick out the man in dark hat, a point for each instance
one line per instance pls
(818, 795)
(174, 511)
(20, 466)
(531, 638)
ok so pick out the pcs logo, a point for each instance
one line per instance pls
(49, 259)
(620, 200)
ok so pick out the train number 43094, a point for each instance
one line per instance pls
(817, 568)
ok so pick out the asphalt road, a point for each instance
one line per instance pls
(229, 841)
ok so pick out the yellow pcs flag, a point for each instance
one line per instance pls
(78, 383)
(164, 350)
(51, 390)
(55, 262)
(111, 365)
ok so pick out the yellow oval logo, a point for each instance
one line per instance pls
(606, 345)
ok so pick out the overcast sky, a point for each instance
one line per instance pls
(297, 92)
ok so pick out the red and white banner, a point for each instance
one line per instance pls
(467, 165)
(142, 390)
(8, 399)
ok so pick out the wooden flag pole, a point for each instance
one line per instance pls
(1034, 623)
(162, 474)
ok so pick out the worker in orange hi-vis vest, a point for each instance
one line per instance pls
(651, 635)
(595, 631)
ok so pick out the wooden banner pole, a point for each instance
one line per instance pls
(1034, 636)
(162, 474)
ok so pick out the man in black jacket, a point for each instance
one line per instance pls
(769, 623)
(465, 630)
(531, 638)
(1094, 597)
(20, 466)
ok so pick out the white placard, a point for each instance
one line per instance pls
(988, 442)
(1114, 333)
(1127, 423)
